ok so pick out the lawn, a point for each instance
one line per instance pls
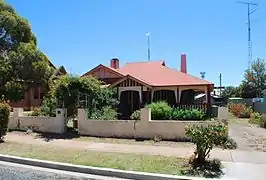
(133, 162)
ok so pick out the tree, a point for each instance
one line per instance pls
(254, 80)
(22, 64)
(231, 91)
(71, 91)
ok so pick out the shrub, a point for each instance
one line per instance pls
(257, 118)
(245, 112)
(205, 137)
(4, 117)
(49, 106)
(36, 112)
(107, 113)
(194, 114)
(241, 110)
(135, 115)
(263, 121)
(160, 110)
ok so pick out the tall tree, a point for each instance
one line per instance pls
(254, 79)
(22, 64)
(231, 91)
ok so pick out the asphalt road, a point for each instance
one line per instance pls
(11, 171)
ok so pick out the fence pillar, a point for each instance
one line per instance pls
(13, 122)
(145, 114)
(61, 120)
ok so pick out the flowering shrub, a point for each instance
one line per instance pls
(241, 110)
(257, 118)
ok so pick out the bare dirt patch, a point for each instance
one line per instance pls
(248, 137)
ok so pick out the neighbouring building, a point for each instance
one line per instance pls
(140, 83)
(33, 97)
(215, 100)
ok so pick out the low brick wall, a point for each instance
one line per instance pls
(142, 129)
(38, 123)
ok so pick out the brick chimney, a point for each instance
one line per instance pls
(114, 63)
(183, 67)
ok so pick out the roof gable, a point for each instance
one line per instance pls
(102, 71)
(135, 81)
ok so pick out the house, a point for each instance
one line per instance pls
(215, 100)
(140, 83)
(33, 97)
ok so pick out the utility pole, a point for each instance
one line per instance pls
(249, 4)
(220, 86)
(149, 50)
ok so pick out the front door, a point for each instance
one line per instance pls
(129, 102)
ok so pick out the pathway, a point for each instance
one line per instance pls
(248, 137)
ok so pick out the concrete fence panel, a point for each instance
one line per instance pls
(104, 128)
(38, 123)
(142, 129)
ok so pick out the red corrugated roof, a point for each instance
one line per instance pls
(157, 74)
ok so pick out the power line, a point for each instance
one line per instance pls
(249, 4)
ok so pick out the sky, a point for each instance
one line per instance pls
(81, 34)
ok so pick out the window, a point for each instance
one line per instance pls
(36, 92)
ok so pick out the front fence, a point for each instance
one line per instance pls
(202, 107)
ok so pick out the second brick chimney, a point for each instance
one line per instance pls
(114, 63)
(183, 67)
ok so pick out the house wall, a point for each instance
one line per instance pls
(39, 124)
(30, 100)
(143, 129)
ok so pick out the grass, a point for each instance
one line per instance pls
(133, 162)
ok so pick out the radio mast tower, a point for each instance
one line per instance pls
(249, 4)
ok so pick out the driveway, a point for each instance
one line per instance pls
(248, 137)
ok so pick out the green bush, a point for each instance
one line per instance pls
(135, 115)
(263, 121)
(36, 112)
(49, 106)
(160, 111)
(257, 118)
(4, 117)
(205, 137)
(107, 113)
(194, 114)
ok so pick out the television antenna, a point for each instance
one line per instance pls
(250, 11)
(202, 74)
